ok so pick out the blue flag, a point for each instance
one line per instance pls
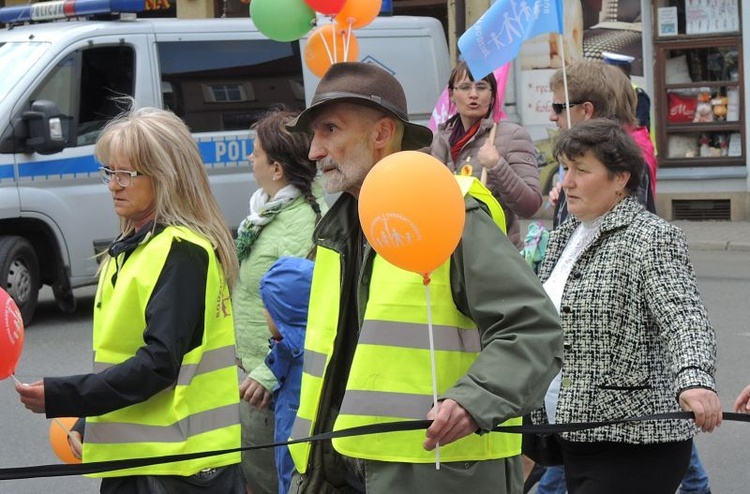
(496, 37)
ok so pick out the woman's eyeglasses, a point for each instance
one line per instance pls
(466, 87)
(559, 107)
(123, 178)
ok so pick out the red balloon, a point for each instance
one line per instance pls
(327, 7)
(11, 335)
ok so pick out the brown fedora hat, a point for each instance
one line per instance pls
(368, 85)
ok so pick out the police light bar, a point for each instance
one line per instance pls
(48, 11)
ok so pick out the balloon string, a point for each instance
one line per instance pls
(432, 365)
(72, 438)
(347, 42)
(325, 45)
(335, 51)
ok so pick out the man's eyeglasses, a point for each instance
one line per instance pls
(559, 107)
(123, 178)
(480, 87)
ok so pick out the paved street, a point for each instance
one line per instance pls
(58, 344)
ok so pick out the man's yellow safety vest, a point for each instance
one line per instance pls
(390, 378)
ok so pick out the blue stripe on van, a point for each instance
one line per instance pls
(6, 171)
(214, 152)
(225, 151)
(67, 166)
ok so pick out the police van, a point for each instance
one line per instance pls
(63, 80)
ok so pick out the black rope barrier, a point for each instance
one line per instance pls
(61, 470)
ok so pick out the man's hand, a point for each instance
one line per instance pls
(705, 404)
(254, 393)
(32, 396)
(452, 422)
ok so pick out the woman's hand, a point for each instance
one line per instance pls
(554, 194)
(705, 404)
(487, 154)
(32, 396)
(742, 403)
(254, 393)
(75, 441)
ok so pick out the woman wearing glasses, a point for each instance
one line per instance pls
(283, 212)
(470, 142)
(165, 379)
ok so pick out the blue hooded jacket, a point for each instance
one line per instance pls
(285, 290)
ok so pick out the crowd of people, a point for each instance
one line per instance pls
(326, 335)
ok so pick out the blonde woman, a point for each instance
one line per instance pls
(164, 380)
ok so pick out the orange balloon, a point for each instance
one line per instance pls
(58, 439)
(320, 48)
(412, 211)
(358, 13)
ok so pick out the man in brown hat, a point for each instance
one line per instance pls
(498, 337)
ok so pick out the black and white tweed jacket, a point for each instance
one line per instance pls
(636, 331)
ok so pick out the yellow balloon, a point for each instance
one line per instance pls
(412, 211)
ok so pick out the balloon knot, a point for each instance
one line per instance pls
(425, 279)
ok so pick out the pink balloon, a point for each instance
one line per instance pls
(327, 7)
(11, 335)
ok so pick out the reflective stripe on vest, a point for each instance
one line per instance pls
(322, 327)
(201, 411)
(390, 379)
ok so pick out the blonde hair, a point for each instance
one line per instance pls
(607, 88)
(158, 144)
(627, 100)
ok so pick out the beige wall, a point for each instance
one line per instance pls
(474, 10)
(195, 9)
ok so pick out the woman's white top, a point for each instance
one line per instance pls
(581, 238)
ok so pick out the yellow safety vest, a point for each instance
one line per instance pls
(396, 309)
(201, 411)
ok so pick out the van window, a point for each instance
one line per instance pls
(87, 102)
(226, 85)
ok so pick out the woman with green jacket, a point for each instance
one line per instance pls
(283, 211)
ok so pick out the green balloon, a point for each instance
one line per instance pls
(282, 20)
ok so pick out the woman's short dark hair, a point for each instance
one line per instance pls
(462, 69)
(290, 150)
(609, 143)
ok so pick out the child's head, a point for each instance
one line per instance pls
(285, 290)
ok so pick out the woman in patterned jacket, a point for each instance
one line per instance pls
(637, 336)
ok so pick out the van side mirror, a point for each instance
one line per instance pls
(46, 128)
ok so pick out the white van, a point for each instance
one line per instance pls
(59, 85)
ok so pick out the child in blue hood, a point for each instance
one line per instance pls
(285, 290)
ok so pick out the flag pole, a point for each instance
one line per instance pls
(561, 50)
